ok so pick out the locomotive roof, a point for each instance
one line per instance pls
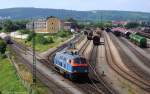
(68, 55)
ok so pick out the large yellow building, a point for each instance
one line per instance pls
(53, 25)
(48, 25)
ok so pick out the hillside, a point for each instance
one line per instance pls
(25, 13)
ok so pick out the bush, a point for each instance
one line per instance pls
(44, 39)
(3, 46)
(132, 25)
(1, 28)
(3, 56)
(64, 34)
(25, 31)
(30, 36)
(49, 39)
(40, 39)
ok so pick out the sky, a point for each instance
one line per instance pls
(83, 5)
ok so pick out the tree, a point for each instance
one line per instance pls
(40, 39)
(44, 39)
(19, 24)
(25, 31)
(50, 39)
(1, 26)
(64, 34)
(3, 46)
(74, 23)
(132, 25)
(7, 26)
(108, 24)
(30, 36)
(72, 20)
(81, 26)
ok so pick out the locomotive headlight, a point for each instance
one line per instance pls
(75, 71)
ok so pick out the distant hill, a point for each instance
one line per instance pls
(25, 13)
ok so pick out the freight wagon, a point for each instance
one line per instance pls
(96, 39)
(90, 35)
(108, 30)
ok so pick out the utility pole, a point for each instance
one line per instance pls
(34, 57)
(101, 18)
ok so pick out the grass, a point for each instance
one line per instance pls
(9, 81)
(130, 89)
(40, 47)
(26, 75)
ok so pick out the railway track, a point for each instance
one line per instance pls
(147, 35)
(142, 74)
(30, 51)
(132, 77)
(138, 54)
(87, 85)
(44, 78)
(147, 50)
(90, 86)
(94, 74)
(83, 85)
(94, 83)
(41, 76)
(83, 47)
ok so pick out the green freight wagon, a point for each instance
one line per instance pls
(138, 40)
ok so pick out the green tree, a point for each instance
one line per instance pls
(3, 46)
(1, 27)
(108, 24)
(81, 26)
(7, 26)
(74, 23)
(25, 31)
(100, 25)
(30, 36)
(132, 25)
(19, 24)
(41, 39)
(50, 39)
(72, 20)
(64, 34)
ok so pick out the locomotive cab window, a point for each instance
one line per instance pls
(80, 60)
